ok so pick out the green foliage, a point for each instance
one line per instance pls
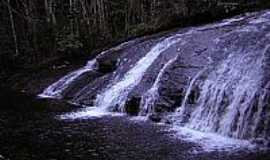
(138, 29)
(45, 28)
(70, 41)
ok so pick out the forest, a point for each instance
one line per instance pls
(38, 32)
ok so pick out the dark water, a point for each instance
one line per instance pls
(30, 131)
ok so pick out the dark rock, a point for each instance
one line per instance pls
(260, 141)
(107, 62)
(159, 108)
(107, 66)
(133, 106)
(168, 121)
(87, 94)
(193, 97)
(155, 117)
(168, 102)
(79, 84)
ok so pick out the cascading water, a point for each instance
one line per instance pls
(183, 109)
(55, 90)
(226, 64)
(149, 98)
(116, 95)
(229, 101)
(234, 93)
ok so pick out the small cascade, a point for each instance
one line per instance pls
(114, 97)
(56, 89)
(184, 107)
(150, 97)
(228, 97)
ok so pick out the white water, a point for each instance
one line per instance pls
(232, 101)
(225, 22)
(189, 90)
(116, 95)
(264, 18)
(55, 90)
(209, 142)
(227, 95)
(149, 98)
(88, 113)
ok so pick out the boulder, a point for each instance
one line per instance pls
(107, 66)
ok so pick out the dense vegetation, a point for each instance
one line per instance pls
(35, 32)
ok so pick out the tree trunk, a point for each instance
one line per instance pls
(13, 29)
(47, 10)
(86, 16)
(51, 12)
(72, 17)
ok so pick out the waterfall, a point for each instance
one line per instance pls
(114, 97)
(184, 107)
(149, 98)
(226, 65)
(228, 96)
(56, 89)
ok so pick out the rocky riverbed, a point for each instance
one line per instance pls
(30, 130)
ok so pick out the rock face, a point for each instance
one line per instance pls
(212, 78)
(133, 106)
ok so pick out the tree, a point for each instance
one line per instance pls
(13, 29)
